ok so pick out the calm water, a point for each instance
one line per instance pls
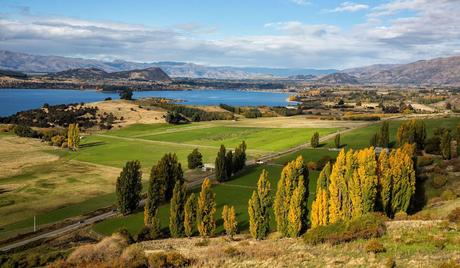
(15, 100)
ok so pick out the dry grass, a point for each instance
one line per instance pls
(408, 244)
(294, 122)
(130, 112)
(17, 154)
(33, 180)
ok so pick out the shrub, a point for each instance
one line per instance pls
(143, 235)
(374, 246)
(448, 195)
(366, 226)
(134, 257)
(449, 264)
(202, 243)
(438, 181)
(424, 161)
(232, 251)
(439, 242)
(168, 260)
(57, 140)
(401, 216)
(454, 215)
(25, 131)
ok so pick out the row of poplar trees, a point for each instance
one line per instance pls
(228, 163)
(359, 182)
(290, 204)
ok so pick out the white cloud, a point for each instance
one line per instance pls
(349, 7)
(430, 30)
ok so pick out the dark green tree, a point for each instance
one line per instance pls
(239, 158)
(129, 187)
(126, 94)
(168, 170)
(176, 210)
(229, 164)
(445, 145)
(337, 140)
(374, 141)
(314, 142)
(155, 196)
(221, 165)
(195, 159)
(384, 135)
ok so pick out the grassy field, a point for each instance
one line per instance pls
(56, 184)
(235, 192)
(238, 191)
(360, 138)
(148, 143)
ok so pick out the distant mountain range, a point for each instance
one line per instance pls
(148, 74)
(439, 71)
(49, 64)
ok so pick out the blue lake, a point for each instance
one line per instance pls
(15, 100)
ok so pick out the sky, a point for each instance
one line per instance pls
(265, 33)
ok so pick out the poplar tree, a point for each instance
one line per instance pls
(229, 164)
(337, 140)
(403, 178)
(385, 182)
(190, 215)
(290, 178)
(206, 209)
(335, 192)
(296, 207)
(176, 210)
(229, 219)
(73, 137)
(445, 145)
(167, 172)
(128, 187)
(384, 135)
(155, 196)
(239, 158)
(221, 165)
(155, 226)
(367, 171)
(413, 131)
(320, 207)
(314, 142)
(259, 208)
(350, 187)
(195, 159)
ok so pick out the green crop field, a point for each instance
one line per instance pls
(148, 143)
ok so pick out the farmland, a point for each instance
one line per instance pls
(60, 178)
(237, 191)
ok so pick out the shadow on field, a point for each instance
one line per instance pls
(92, 144)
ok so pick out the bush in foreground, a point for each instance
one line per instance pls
(168, 259)
(367, 226)
(374, 246)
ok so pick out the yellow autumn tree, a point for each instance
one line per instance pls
(319, 214)
(295, 222)
(403, 178)
(385, 181)
(229, 218)
(206, 209)
(289, 179)
(351, 186)
(367, 170)
(335, 192)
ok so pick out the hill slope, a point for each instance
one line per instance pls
(338, 78)
(148, 74)
(439, 71)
